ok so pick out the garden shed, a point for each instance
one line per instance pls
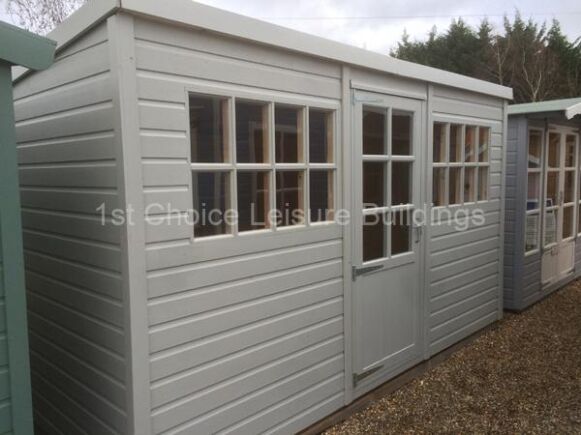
(17, 48)
(543, 200)
(323, 287)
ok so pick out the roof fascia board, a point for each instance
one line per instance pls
(20, 47)
(205, 17)
(571, 111)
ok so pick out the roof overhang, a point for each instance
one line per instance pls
(566, 108)
(20, 47)
(192, 14)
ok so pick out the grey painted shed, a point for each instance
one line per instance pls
(542, 252)
(257, 325)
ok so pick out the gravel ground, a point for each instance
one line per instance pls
(522, 377)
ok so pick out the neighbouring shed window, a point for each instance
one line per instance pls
(461, 165)
(260, 165)
(534, 186)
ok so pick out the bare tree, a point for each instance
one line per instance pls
(41, 16)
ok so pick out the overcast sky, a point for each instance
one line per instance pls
(378, 24)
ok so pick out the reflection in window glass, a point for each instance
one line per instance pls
(289, 198)
(483, 144)
(374, 131)
(401, 183)
(253, 200)
(440, 143)
(455, 192)
(569, 192)
(320, 136)
(373, 238)
(210, 191)
(455, 143)
(535, 148)
(552, 188)
(374, 183)
(470, 185)
(482, 184)
(554, 146)
(439, 187)
(551, 226)
(470, 144)
(533, 191)
(400, 234)
(401, 134)
(532, 232)
(570, 148)
(568, 222)
(288, 134)
(208, 139)
(321, 195)
(251, 132)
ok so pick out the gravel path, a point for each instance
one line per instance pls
(523, 377)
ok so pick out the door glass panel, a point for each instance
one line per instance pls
(570, 151)
(455, 192)
(554, 146)
(569, 186)
(401, 183)
(374, 131)
(455, 143)
(568, 221)
(210, 191)
(483, 143)
(401, 134)
(373, 237)
(251, 132)
(551, 226)
(470, 185)
(400, 233)
(470, 144)
(533, 191)
(535, 148)
(439, 187)
(440, 142)
(552, 188)
(532, 232)
(482, 184)
(374, 184)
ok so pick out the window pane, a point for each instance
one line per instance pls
(401, 134)
(320, 136)
(470, 185)
(401, 183)
(373, 237)
(208, 129)
(439, 187)
(455, 192)
(533, 191)
(470, 144)
(288, 134)
(289, 198)
(554, 145)
(568, 221)
(374, 131)
(374, 184)
(439, 142)
(253, 200)
(455, 143)
(483, 144)
(482, 184)
(251, 132)
(570, 147)
(535, 148)
(321, 195)
(211, 200)
(551, 226)
(400, 233)
(569, 186)
(532, 232)
(552, 188)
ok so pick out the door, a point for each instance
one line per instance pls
(560, 205)
(387, 244)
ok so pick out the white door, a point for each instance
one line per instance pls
(387, 246)
(560, 205)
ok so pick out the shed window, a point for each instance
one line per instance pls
(533, 211)
(461, 165)
(260, 165)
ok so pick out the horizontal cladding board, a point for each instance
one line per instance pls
(48, 414)
(4, 384)
(445, 257)
(473, 288)
(90, 119)
(205, 274)
(468, 304)
(463, 279)
(461, 238)
(463, 95)
(90, 62)
(236, 316)
(462, 332)
(188, 63)
(74, 201)
(164, 116)
(460, 266)
(164, 144)
(201, 377)
(464, 318)
(281, 381)
(467, 108)
(90, 147)
(224, 294)
(6, 412)
(186, 357)
(233, 48)
(163, 228)
(174, 173)
(91, 175)
(461, 224)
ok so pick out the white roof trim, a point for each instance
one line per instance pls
(573, 110)
(569, 107)
(190, 13)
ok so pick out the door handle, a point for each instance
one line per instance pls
(358, 271)
(419, 230)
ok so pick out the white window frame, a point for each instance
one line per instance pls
(541, 195)
(232, 93)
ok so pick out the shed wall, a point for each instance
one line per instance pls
(464, 266)
(246, 335)
(68, 169)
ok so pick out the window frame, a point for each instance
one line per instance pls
(232, 167)
(461, 164)
(541, 193)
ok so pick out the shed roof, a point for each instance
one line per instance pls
(190, 13)
(569, 106)
(20, 47)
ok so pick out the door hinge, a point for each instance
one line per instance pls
(358, 377)
(357, 271)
